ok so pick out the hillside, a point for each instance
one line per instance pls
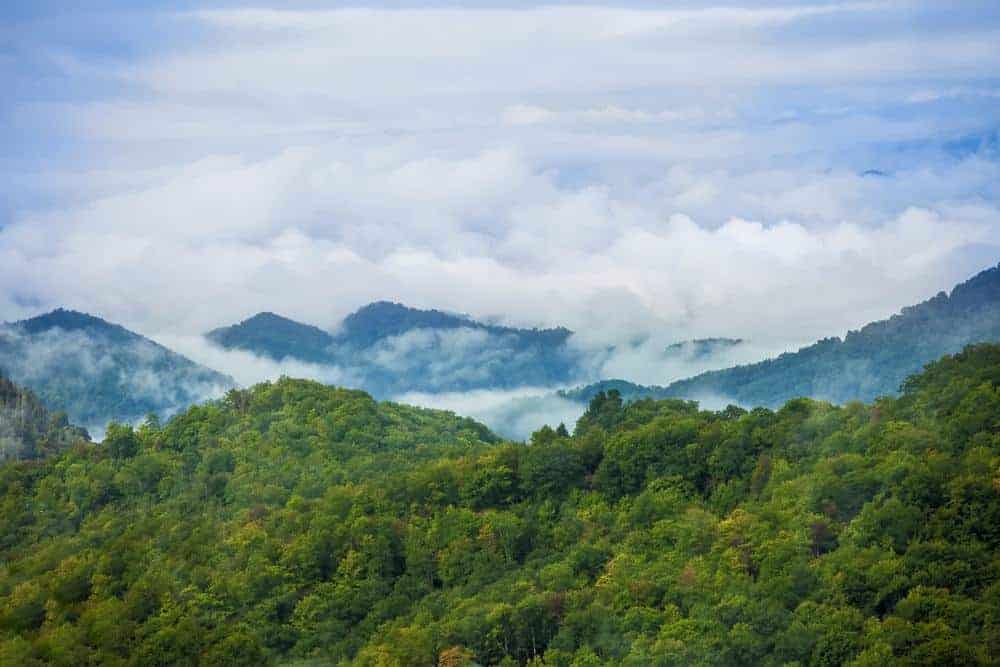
(701, 348)
(384, 319)
(28, 430)
(866, 364)
(275, 337)
(96, 371)
(388, 348)
(296, 523)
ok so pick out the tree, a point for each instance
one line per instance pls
(121, 441)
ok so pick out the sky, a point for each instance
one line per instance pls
(776, 172)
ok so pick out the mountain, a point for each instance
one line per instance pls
(96, 371)
(28, 430)
(867, 363)
(275, 337)
(701, 348)
(388, 348)
(383, 319)
(295, 523)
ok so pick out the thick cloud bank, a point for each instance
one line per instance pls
(639, 175)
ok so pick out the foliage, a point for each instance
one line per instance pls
(28, 430)
(295, 523)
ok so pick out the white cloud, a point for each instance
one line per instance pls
(514, 414)
(386, 54)
(315, 236)
(934, 95)
(524, 114)
(248, 368)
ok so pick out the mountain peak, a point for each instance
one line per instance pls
(451, 352)
(381, 319)
(984, 287)
(870, 362)
(72, 320)
(274, 336)
(95, 370)
(270, 318)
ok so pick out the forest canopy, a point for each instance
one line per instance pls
(297, 523)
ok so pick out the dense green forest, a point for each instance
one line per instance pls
(300, 524)
(96, 371)
(27, 429)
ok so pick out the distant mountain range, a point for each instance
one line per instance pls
(870, 362)
(96, 371)
(28, 430)
(388, 348)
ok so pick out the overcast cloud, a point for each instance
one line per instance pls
(775, 173)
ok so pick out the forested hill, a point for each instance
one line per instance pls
(275, 337)
(388, 348)
(96, 371)
(383, 319)
(870, 362)
(867, 363)
(28, 430)
(299, 524)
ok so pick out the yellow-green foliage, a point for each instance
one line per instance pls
(295, 523)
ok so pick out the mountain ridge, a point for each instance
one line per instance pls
(274, 336)
(868, 362)
(388, 348)
(97, 371)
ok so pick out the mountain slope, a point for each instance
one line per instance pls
(388, 348)
(383, 319)
(96, 371)
(275, 337)
(294, 523)
(701, 348)
(28, 430)
(867, 363)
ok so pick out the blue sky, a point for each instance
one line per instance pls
(776, 172)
